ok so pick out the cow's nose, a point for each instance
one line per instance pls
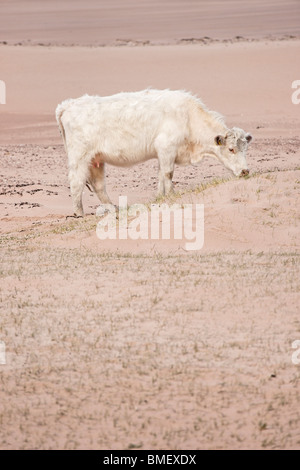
(244, 173)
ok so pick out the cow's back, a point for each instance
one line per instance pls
(124, 127)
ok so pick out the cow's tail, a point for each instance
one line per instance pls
(58, 113)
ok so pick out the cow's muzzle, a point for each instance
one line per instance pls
(244, 173)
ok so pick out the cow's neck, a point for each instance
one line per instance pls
(205, 126)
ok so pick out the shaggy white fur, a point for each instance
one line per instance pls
(128, 128)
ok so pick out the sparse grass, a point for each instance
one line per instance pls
(116, 349)
(175, 196)
(84, 224)
(262, 425)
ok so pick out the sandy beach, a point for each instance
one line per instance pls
(141, 344)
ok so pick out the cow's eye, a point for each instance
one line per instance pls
(231, 150)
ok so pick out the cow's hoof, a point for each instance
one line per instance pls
(106, 209)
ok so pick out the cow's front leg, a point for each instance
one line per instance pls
(168, 177)
(165, 176)
(166, 153)
(161, 183)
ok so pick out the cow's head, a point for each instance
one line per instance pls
(231, 150)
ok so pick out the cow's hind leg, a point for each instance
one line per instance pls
(77, 178)
(97, 181)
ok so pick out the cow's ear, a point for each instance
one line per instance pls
(220, 140)
(248, 138)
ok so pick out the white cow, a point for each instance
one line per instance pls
(128, 128)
